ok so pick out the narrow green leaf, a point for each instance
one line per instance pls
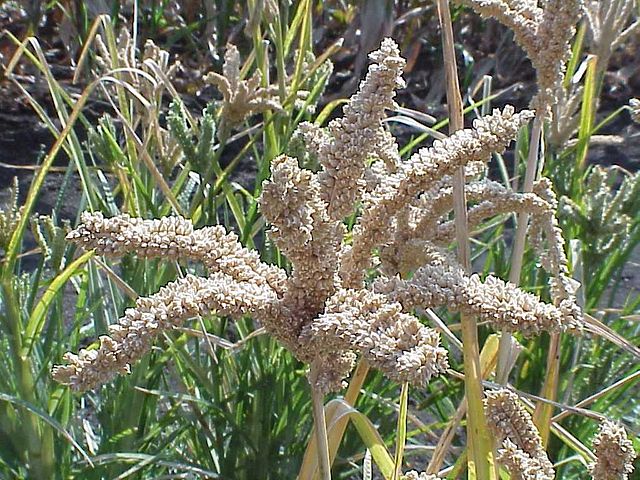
(48, 419)
(39, 313)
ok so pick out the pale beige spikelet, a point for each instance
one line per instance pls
(386, 150)
(634, 106)
(355, 136)
(313, 136)
(513, 429)
(132, 336)
(614, 453)
(414, 475)
(553, 258)
(241, 98)
(10, 215)
(389, 339)
(174, 238)
(555, 31)
(490, 134)
(335, 366)
(544, 32)
(443, 282)
(522, 17)
(301, 228)
(520, 464)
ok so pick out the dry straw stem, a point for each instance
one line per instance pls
(521, 449)
(320, 423)
(614, 453)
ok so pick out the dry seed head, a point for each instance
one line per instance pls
(521, 465)
(355, 136)
(132, 336)
(419, 229)
(544, 32)
(614, 453)
(443, 282)
(154, 62)
(287, 306)
(10, 215)
(389, 339)
(513, 428)
(313, 137)
(174, 238)
(241, 98)
(489, 134)
(609, 26)
(301, 228)
(634, 105)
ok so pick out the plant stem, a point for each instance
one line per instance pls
(309, 465)
(544, 411)
(506, 340)
(320, 425)
(480, 447)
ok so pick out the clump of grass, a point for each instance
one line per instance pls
(354, 259)
(321, 312)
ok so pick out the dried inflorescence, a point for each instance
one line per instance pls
(441, 281)
(241, 98)
(344, 152)
(174, 238)
(10, 215)
(389, 339)
(521, 449)
(544, 30)
(397, 190)
(609, 26)
(322, 311)
(154, 62)
(414, 475)
(296, 207)
(132, 336)
(614, 453)
(634, 105)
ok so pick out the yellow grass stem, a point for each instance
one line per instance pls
(320, 425)
(544, 411)
(309, 466)
(488, 358)
(480, 448)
